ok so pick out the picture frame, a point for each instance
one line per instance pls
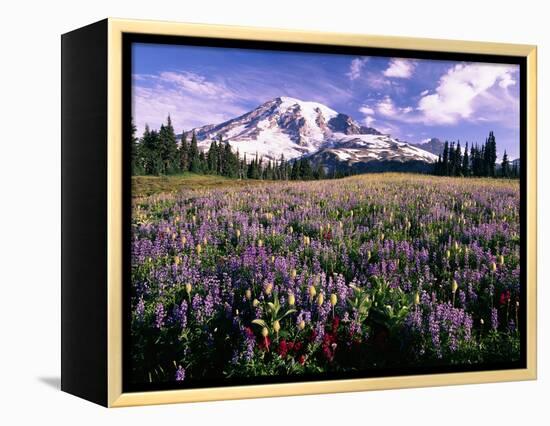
(97, 207)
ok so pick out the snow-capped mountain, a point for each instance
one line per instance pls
(295, 128)
(433, 145)
(374, 153)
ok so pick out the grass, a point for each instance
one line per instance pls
(143, 186)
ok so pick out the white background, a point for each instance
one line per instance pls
(30, 211)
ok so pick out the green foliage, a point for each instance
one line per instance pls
(195, 165)
(360, 302)
(480, 161)
(168, 148)
(273, 312)
(505, 166)
(390, 306)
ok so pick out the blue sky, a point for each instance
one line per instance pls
(411, 99)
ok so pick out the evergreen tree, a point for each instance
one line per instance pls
(283, 171)
(136, 160)
(202, 162)
(221, 169)
(491, 154)
(505, 166)
(259, 167)
(194, 160)
(168, 148)
(295, 173)
(230, 162)
(152, 161)
(304, 170)
(212, 158)
(267, 172)
(515, 170)
(255, 169)
(451, 159)
(276, 171)
(457, 166)
(437, 166)
(319, 172)
(465, 162)
(477, 161)
(184, 153)
(473, 159)
(244, 168)
(445, 160)
(250, 169)
(483, 162)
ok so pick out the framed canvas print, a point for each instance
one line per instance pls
(254, 212)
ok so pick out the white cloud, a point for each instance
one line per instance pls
(506, 81)
(187, 97)
(386, 107)
(464, 89)
(377, 81)
(355, 68)
(195, 84)
(369, 120)
(399, 68)
(475, 92)
(367, 110)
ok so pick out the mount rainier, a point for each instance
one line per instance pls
(296, 128)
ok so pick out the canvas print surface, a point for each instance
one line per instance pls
(300, 215)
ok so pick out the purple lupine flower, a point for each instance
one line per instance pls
(468, 323)
(180, 374)
(140, 309)
(434, 332)
(414, 319)
(159, 315)
(494, 319)
(183, 314)
(249, 345)
(462, 298)
(303, 316)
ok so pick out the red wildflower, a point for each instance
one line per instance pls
(264, 343)
(298, 346)
(329, 346)
(312, 336)
(302, 359)
(505, 297)
(328, 339)
(335, 323)
(328, 353)
(283, 348)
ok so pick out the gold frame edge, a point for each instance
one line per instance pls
(116, 398)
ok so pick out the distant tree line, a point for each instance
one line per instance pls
(158, 153)
(300, 169)
(478, 161)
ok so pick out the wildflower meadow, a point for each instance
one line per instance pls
(359, 274)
